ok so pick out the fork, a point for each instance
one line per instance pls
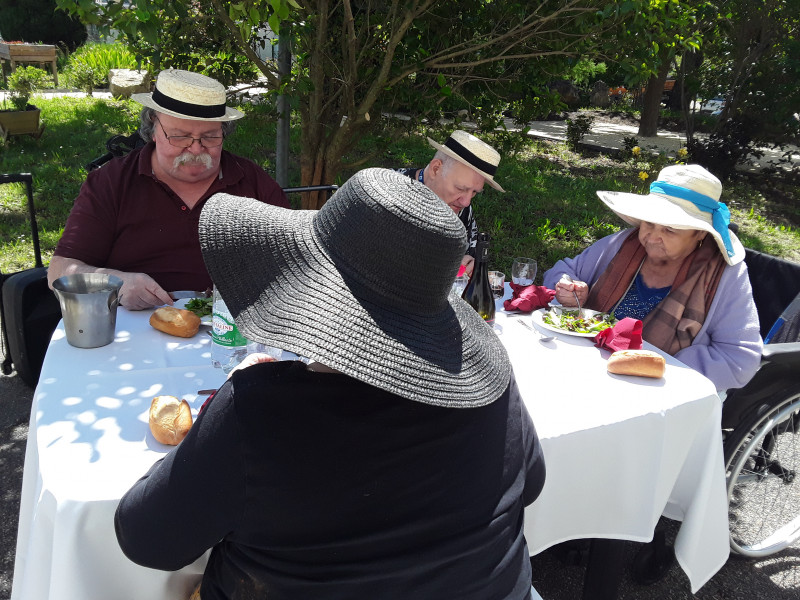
(574, 293)
(542, 337)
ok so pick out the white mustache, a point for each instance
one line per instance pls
(187, 158)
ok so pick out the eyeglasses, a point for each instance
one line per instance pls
(184, 141)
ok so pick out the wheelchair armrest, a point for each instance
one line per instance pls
(782, 353)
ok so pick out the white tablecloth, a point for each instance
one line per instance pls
(88, 442)
(619, 452)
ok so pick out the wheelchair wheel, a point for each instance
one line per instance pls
(762, 459)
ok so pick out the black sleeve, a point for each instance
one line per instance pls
(190, 499)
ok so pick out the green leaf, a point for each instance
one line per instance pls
(274, 22)
(149, 31)
(441, 79)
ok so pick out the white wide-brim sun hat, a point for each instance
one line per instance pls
(188, 95)
(472, 152)
(683, 197)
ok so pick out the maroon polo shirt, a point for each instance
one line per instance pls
(126, 219)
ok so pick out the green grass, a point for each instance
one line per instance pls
(550, 209)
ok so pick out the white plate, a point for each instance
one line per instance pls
(537, 315)
(181, 303)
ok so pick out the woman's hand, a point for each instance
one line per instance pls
(469, 264)
(252, 359)
(564, 292)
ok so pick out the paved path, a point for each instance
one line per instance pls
(609, 135)
(603, 134)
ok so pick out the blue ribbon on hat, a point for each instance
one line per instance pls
(720, 215)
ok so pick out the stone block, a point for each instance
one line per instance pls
(124, 82)
(600, 95)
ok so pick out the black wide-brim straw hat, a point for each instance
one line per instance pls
(362, 286)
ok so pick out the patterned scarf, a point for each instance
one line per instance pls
(674, 323)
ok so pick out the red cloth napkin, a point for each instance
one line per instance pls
(528, 298)
(625, 335)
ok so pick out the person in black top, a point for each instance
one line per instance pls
(456, 173)
(396, 464)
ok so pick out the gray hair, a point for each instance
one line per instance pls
(147, 124)
(447, 161)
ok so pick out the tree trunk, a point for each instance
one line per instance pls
(651, 103)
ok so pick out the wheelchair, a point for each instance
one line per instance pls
(761, 421)
(761, 431)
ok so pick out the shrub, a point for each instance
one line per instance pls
(726, 147)
(88, 67)
(83, 77)
(229, 68)
(38, 21)
(629, 143)
(577, 128)
(23, 82)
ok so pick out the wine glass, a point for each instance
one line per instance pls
(497, 280)
(523, 271)
(460, 284)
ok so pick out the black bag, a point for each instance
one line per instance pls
(30, 309)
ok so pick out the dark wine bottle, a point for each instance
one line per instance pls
(478, 293)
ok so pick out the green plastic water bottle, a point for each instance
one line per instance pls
(228, 345)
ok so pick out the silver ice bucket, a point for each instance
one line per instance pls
(89, 307)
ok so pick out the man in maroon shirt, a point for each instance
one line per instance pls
(137, 217)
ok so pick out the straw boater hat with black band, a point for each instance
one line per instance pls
(188, 95)
(476, 154)
(683, 197)
(330, 285)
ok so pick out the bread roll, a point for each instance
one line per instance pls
(644, 363)
(175, 321)
(170, 419)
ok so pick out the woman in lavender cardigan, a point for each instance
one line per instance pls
(679, 270)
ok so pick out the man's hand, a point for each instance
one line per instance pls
(469, 264)
(140, 291)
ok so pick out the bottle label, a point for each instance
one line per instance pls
(224, 331)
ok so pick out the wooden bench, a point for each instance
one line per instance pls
(28, 53)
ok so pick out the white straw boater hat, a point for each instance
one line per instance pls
(331, 285)
(476, 154)
(188, 95)
(683, 197)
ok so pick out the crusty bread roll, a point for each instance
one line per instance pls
(170, 419)
(175, 321)
(644, 363)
